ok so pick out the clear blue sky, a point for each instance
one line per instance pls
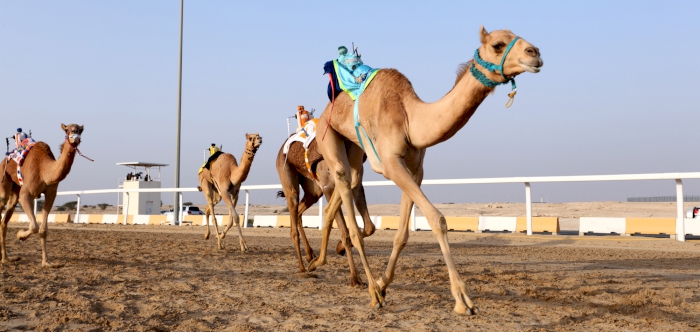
(618, 92)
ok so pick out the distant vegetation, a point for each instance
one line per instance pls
(67, 206)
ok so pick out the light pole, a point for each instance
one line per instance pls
(176, 213)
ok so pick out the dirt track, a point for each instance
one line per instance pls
(169, 278)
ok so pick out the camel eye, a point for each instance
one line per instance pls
(498, 47)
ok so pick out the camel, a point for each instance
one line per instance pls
(401, 127)
(42, 173)
(225, 176)
(293, 173)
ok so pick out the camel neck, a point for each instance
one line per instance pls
(61, 167)
(243, 169)
(434, 123)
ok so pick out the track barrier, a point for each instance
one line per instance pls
(587, 225)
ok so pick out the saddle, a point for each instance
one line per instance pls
(19, 154)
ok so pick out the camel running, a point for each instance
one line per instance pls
(42, 173)
(292, 171)
(402, 127)
(223, 181)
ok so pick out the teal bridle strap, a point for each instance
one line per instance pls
(358, 126)
(492, 67)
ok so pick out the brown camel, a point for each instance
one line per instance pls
(223, 181)
(42, 174)
(401, 127)
(293, 173)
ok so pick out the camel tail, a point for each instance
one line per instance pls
(280, 194)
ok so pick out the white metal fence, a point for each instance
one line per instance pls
(677, 177)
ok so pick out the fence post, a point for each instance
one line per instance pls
(320, 209)
(680, 219)
(413, 217)
(35, 207)
(77, 210)
(528, 208)
(182, 215)
(245, 214)
(126, 208)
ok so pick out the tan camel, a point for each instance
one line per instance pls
(401, 127)
(292, 171)
(223, 181)
(42, 174)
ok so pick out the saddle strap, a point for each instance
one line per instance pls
(358, 126)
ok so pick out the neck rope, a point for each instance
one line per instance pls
(492, 67)
(251, 151)
(77, 150)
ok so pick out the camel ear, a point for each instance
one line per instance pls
(64, 127)
(81, 128)
(484, 35)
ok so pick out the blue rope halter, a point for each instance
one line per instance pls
(492, 67)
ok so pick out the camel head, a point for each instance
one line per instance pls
(522, 56)
(253, 141)
(73, 132)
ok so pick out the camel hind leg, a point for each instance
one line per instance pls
(291, 193)
(212, 199)
(312, 193)
(9, 201)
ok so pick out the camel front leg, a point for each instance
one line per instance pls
(219, 244)
(207, 211)
(230, 201)
(395, 169)
(27, 202)
(400, 240)
(44, 228)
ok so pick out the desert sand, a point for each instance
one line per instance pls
(169, 278)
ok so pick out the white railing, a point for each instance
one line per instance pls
(678, 177)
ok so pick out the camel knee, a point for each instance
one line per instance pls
(342, 178)
(400, 241)
(295, 235)
(440, 227)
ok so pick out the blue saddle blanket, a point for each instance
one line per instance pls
(353, 81)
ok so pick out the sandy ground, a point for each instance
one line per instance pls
(168, 278)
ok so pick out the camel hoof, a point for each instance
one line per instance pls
(222, 235)
(310, 257)
(475, 311)
(357, 282)
(340, 248)
(378, 304)
(312, 265)
(10, 260)
(21, 238)
(206, 236)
